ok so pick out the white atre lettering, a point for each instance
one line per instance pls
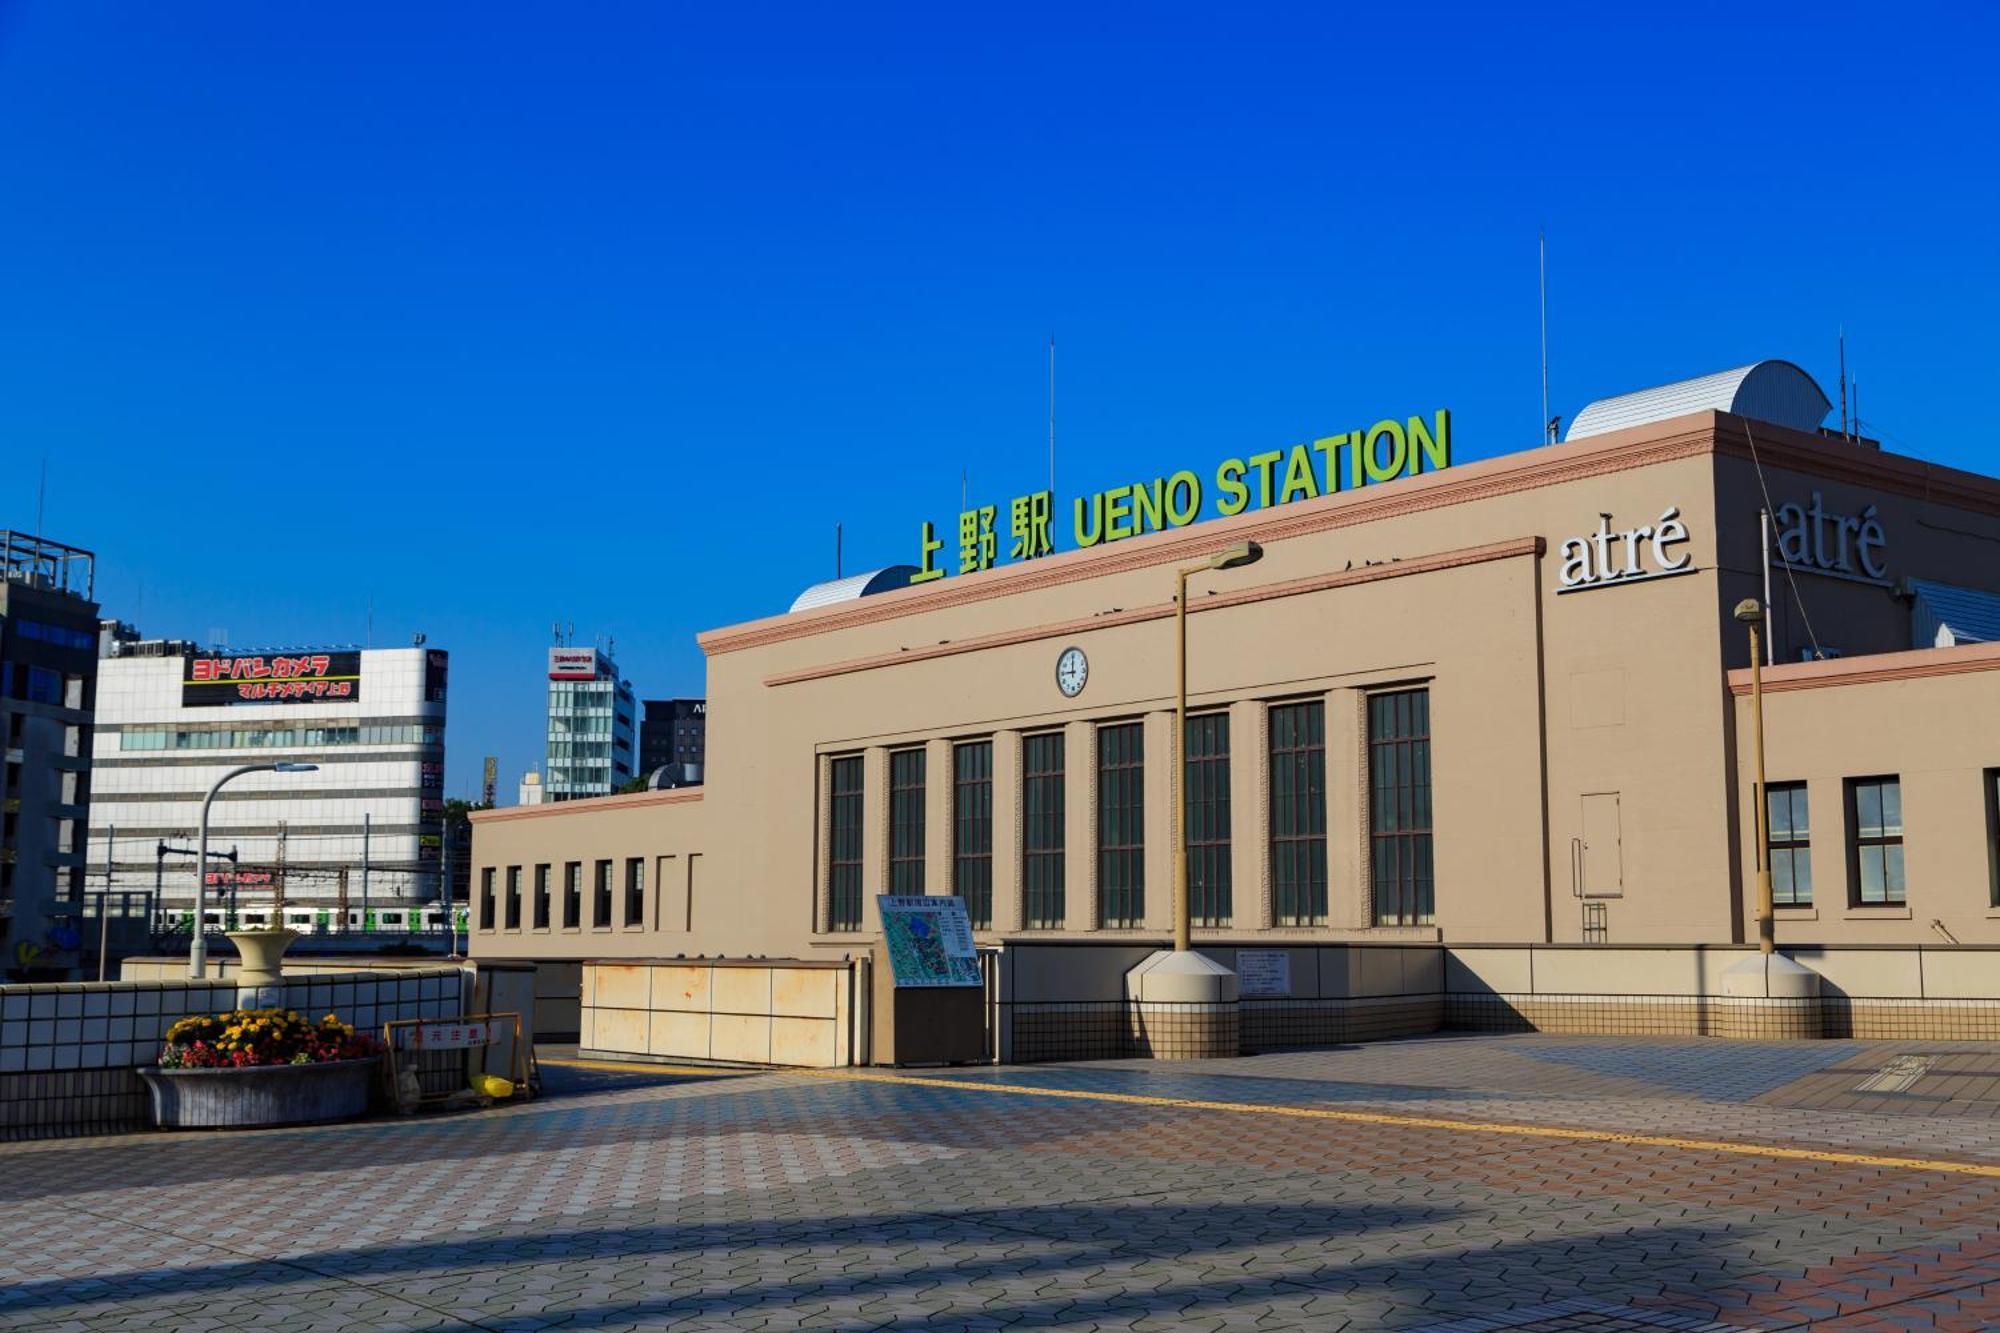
(1607, 557)
(1812, 540)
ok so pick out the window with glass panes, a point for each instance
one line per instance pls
(1206, 775)
(1298, 813)
(843, 859)
(600, 898)
(486, 898)
(513, 897)
(572, 916)
(1121, 825)
(1993, 827)
(1788, 840)
(1043, 830)
(1875, 845)
(541, 913)
(1399, 807)
(972, 828)
(635, 891)
(906, 821)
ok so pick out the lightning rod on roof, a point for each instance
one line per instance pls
(1845, 434)
(1548, 422)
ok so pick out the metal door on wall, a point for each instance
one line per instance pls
(1600, 871)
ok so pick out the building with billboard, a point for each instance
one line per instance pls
(355, 845)
(673, 741)
(1471, 742)
(591, 733)
(48, 687)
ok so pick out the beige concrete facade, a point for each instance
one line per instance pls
(1930, 719)
(1586, 775)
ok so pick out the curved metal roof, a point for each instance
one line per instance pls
(853, 586)
(1942, 615)
(1774, 391)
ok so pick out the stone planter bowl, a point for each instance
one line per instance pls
(261, 1095)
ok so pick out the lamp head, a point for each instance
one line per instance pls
(1750, 611)
(1235, 557)
(295, 768)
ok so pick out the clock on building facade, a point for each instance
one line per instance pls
(1072, 671)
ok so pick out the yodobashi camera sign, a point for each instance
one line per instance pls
(278, 678)
(1607, 556)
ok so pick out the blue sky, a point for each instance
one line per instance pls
(487, 315)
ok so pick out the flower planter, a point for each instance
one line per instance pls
(260, 1095)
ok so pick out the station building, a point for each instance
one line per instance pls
(1470, 744)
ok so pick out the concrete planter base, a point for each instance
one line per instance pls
(261, 1095)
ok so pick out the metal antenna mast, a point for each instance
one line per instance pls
(1548, 422)
(1844, 434)
(1052, 417)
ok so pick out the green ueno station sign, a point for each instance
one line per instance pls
(1388, 449)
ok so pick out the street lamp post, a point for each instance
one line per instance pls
(1233, 557)
(1751, 613)
(198, 947)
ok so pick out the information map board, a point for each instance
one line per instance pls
(929, 940)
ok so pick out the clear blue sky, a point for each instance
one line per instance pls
(493, 315)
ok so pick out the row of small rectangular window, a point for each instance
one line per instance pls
(541, 906)
(276, 737)
(40, 685)
(60, 635)
(1875, 875)
(1399, 821)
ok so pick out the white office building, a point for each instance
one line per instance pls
(592, 732)
(354, 844)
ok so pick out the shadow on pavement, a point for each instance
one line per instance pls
(1062, 1251)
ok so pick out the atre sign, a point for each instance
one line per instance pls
(1812, 540)
(1606, 557)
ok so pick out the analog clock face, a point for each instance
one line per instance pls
(1072, 670)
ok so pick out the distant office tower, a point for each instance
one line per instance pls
(531, 789)
(48, 689)
(591, 713)
(673, 737)
(355, 845)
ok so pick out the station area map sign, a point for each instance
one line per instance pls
(929, 940)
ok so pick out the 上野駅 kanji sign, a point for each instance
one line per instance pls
(1392, 447)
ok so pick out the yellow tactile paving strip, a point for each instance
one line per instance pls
(1776, 1152)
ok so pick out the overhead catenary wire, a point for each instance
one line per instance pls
(1791, 579)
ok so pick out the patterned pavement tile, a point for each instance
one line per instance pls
(792, 1200)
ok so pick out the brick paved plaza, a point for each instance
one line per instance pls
(941, 1200)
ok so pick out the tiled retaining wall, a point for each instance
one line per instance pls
(68, 1052)
(1917, 992)
(1066, 1001)
(1060, 1002)
(739, 1012)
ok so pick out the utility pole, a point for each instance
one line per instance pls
(104, 903)
(366, 830)
(450, 910)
